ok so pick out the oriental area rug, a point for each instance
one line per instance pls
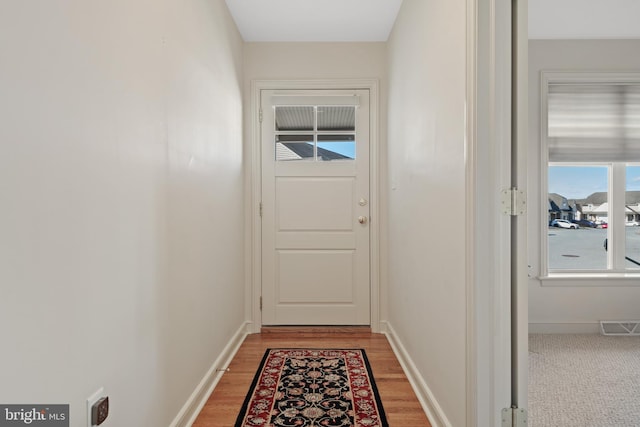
(313, 388)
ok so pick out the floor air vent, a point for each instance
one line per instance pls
(629, 328)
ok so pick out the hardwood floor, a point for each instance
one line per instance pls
(400, 403)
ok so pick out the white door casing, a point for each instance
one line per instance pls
(492, 166)
(520, 261)
(315, 209)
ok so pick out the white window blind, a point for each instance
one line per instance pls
(593, 122)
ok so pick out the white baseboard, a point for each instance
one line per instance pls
(565, 328)
(190, 410)
(426, 398)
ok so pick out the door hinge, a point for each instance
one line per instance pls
(260, 303)
(514, 417)
(260, 115)
(260, 210)
(514, 202)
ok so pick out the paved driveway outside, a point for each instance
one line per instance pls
(583, 248)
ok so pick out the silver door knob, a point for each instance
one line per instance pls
(362, 219)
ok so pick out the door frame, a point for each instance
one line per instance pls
(520, 262)
(496, 245)
(254, 290)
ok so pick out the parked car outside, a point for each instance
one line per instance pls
(632, 223)
(563, 223)
(584, 223)
(604, 225)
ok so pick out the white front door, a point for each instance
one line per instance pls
(315, 207)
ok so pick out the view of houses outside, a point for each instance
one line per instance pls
(579, 194)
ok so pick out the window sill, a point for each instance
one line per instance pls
(591, 279)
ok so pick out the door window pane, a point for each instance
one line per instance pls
(337, 119)
(336, 147)
(298, 118)
(318, 133)
(632, 214)
(578, 217)
(294, 147)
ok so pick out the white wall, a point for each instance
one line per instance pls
(303, 61)
(583, 19)
(573, 307)
(427, 303)
(121, 191)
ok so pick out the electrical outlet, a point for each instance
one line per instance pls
(95, 401)
(100, 411)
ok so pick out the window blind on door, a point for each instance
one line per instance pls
(593, 122)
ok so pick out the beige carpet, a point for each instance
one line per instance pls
(584, 381)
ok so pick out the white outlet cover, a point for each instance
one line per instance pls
(90, 401)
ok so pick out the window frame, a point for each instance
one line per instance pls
(616, 272)
(315, 133)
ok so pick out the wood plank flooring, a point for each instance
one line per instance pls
(398, 399)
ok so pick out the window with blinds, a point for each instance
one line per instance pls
(593, 121)
(590, 132)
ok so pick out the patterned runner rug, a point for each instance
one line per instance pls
(313, 388)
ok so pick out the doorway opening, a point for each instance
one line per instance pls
(575, 281)
(314, 182)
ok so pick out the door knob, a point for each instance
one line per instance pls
(362, 219)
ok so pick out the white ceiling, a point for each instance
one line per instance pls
(584, 19)
(372, 20)
(314, 20)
